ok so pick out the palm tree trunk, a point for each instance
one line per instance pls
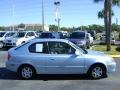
(107, 21)
(109, 27)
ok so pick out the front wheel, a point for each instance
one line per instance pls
(97, 72)
(26, 72)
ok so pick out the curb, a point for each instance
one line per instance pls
(92, 47)
(115, 56)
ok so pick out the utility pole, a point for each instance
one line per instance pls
(116, 21)
(42, 15)
(57, 13)
(13, 15)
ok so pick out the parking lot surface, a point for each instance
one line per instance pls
(10, 80)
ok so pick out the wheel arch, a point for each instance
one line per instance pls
(26, 65)
(97, 64)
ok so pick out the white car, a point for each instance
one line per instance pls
(20, 38)
(90, 39)
(103, 39)
(4, 35)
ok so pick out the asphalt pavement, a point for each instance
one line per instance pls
(10, 80)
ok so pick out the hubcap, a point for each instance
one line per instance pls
(97, 72)
(26, 72)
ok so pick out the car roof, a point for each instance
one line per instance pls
(26, 31)
(47, 40)
(49, 32)
(81, 31)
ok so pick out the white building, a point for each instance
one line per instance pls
(36, 27)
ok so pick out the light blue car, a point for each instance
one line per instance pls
(57, 56)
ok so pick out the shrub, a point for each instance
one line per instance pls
(118, 49)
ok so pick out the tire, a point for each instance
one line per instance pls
(97, 72)
(26, 72)
(1, 44)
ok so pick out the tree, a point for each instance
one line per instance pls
(2, 28)
(21, 25)
(97, 28)
(115, 27)
(107, 18)
(53, 28)
(101, 14)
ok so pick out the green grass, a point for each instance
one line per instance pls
(103, 49)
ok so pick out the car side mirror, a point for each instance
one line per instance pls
(77, 52)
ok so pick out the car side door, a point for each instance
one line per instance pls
(38, 53)
(62, 59)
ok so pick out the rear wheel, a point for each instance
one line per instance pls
(26, 72)
(97, 72)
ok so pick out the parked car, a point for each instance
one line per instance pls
(4, 35)
(20, 38)
(93, 34)
(80, 38)
(50, 35)
(57, 56)
(90, 39)
(103, 39)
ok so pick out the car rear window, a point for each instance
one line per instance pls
(37, 48)
(46, 35)
(77, 35)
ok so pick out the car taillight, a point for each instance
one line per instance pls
(9, 56)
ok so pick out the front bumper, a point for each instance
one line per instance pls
(111, 67)
(9, 44)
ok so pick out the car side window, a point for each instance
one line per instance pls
(38, 48)
(60, 48)
(32, 34)
(28, 34)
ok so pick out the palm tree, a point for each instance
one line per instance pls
(107, 18)
(101, 14)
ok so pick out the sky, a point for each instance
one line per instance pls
(73, 13)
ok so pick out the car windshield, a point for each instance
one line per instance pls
(78, 35)
(20, 34)
(46, 35)
(2, 34)
(10, 34)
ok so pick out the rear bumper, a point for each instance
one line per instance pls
(12, 66)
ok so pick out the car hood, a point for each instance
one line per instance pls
(97, 55)
(13, 39)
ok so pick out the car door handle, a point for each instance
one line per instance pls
(52, 59)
